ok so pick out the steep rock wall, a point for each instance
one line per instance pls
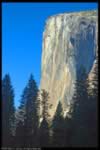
(69, 46)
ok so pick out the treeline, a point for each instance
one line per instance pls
(29, 125)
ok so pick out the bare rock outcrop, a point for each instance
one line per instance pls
(69, 46)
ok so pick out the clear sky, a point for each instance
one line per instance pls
(22, 29)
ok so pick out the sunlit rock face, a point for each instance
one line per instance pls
(69, 46)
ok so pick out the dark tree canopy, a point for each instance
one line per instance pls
(28, 118)
(77, 129)
(8, 111)
(44, 130)
(83, 118)
(58, 127)
(44, 134)
(20, 120)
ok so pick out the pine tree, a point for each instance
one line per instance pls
(68, 132)
(95, 80)
(8, 112)
(31, 117)
(20, 135)
(81, 115)
(45, 104)
(93, 109)
(44, 132)
(20, 120)
(58, 127)
(28, 120)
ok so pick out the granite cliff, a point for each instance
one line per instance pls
(69, 46)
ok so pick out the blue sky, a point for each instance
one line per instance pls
(22, 29)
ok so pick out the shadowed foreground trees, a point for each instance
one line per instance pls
(31, 120)
(8, 112)
(20, 120)
(28, 123)
(58, 127)
(78, 130)
(84, 116)
(44, 132)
